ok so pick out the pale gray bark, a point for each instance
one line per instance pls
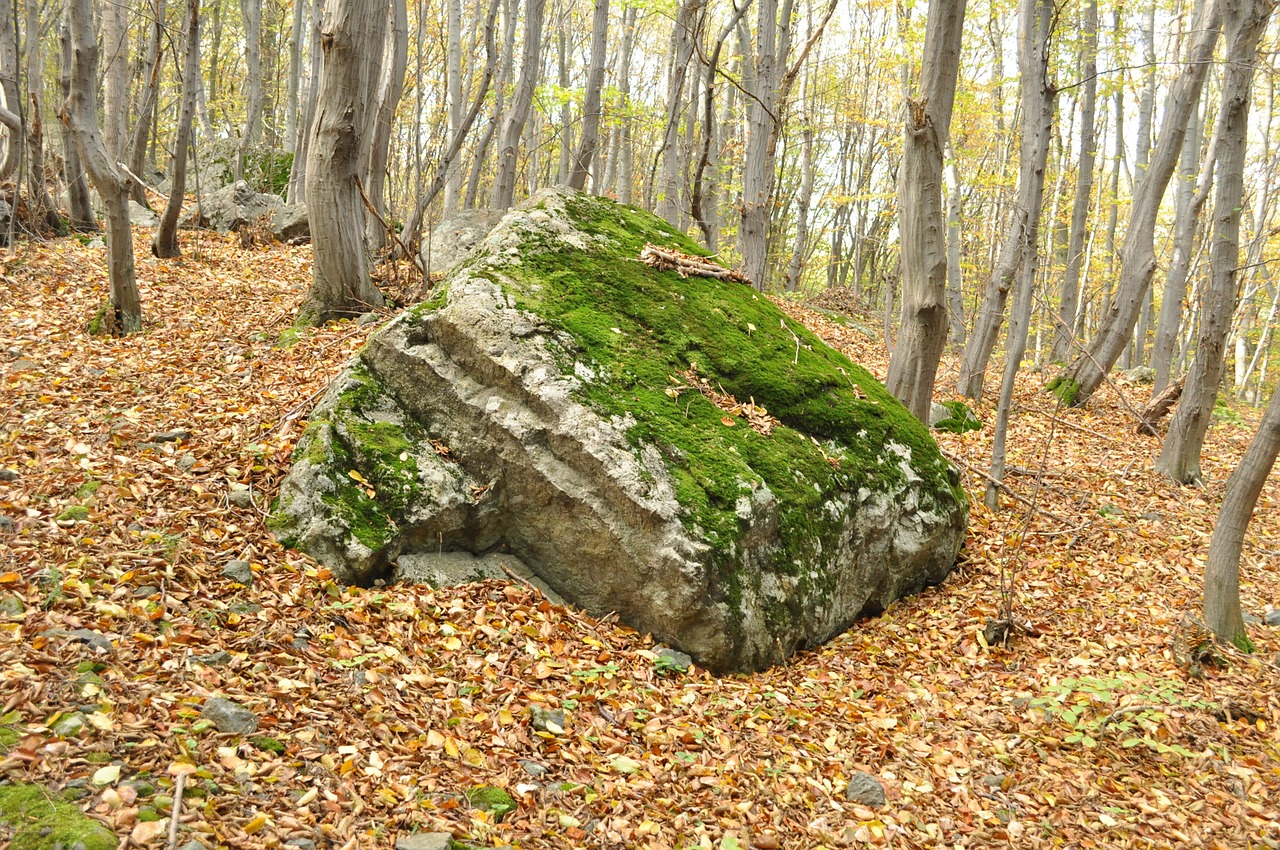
(685, 33)
(251, 15)
(115, 83)
(42, 206)
(297, 37)
(1037, 103)
(340, 139)
(297, 192)
(79, 209)
(505, 71)
(1065, 321)
(800, 250)
(702, 197)
(453, 91)
(565, 153)
(922, 336)
(80, 111)
(504, 181)
(1193, 191)
(165, 242)
(591, 106)
(137, 153)
(390, 89)
(626, 156)
(1244, 22)
(1137, 257)
(955, 281)
(1222, 613)
(9, 88)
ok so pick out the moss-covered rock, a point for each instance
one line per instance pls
(674, 449)
(43, 820)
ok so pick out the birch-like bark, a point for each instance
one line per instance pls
(504, 181)
(626, 156)
(955, 280)
(340, 138)
(1137, 257)
(685, 34)
(591, 105)
(123, 314)
(390, 90)
(1244, 22)
(165, 242)
(1065, 320)
(923, 333)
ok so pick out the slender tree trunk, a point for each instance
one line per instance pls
(390, 89)
(1065, 321)
(453, 90)
(123, 314)
(1137, 257)
(626, 155)
(150, 93)
(702, 196)
(1222, 566)
(251, 13)
(297, 192)
(79, 209)
(340, 139)
(504, 181)
(1244, 22)
(1193, 191)
(685, 35)
(565, 153)
(297, 36)
(799, 253)
(42, 206)
(215, 52)
(9, 88)
(115, 83)
(955, 280)
(591, 103)
(923, 333)
(1038, 98)
(165, 242)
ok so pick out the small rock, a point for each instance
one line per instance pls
(95, 372)
(25, 366)
(175, 436)
(673, 659)
(1250, 619)
(301, 843)
(239, 571)
(245, 608)
(1151, 516)
(11, 606)
(241, 498)
(196, 845)
(7, 474)
(425, 841)
(1141, 375)
(95, 640)
(6, 524)
(993, 780)
(68, 724)
(533, 768)
(367, 319)
(865, 789)
(213, 659)
(228, 716)
(96, 242)
(359, 677)
(146, 590)
(1272, 618)
(187, 461)
(547, 719)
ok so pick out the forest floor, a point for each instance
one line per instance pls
(380, 710)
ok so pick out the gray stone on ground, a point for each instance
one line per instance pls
(187, 461)
(177, 435)
(1250, 619)
(448, 569)
(301, 843)
(547, 719)
(425, 841)
(11, 606)
(6, 523)
(95, 640)
(533, 768)
(866, 790)
(229, 717)
(140, 216)
(1140, 375)
(240, 495)
(1272, 617)
(290, 222)
(231, 208)
(7, 474)
(674, 658)
(238, 571)
(496, 417)
(213, 659)
(366, 319)
(452, 241)
(68, 724)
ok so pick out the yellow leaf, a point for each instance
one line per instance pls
(473, 757)
(256, 825)
(451, 747)
(357, 476)
(435, 739)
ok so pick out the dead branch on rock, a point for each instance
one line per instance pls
(669, 259)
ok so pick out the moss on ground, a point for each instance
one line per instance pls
(638, 328)
(42, 820)
(1065, 389)
(491, 799)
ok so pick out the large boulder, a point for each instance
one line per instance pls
(290, 223)
(452, 241)
(231, 208)
(673, 449)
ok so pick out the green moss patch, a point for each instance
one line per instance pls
(491, 799)
(42, 820)
(961, 420)
(1065, 389)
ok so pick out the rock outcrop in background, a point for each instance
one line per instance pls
(673, 449)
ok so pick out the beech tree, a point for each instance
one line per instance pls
(123, 313)
(504, 181)
(914, 364)
(165, 242)
(340, 139)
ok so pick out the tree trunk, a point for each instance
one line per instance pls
(150, 93)
(340, 140)
(923, 335)
(1038, 99)
(251, 14)
(453, 90)
(565, 153)
(390, 90)
(115, 83)
(123, 314)
(1065, 321)
(799, 253)
(955, 280)
(626, 156)
(1222, 566)
(504, 181)
(297, 192)
(42, 206)
(9, 88)
(591, 105)
(1244, 22)
(297, 35)
(165, 242)
(1137, 257)
(685, 34)
(79, 209)
(1193, 192)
